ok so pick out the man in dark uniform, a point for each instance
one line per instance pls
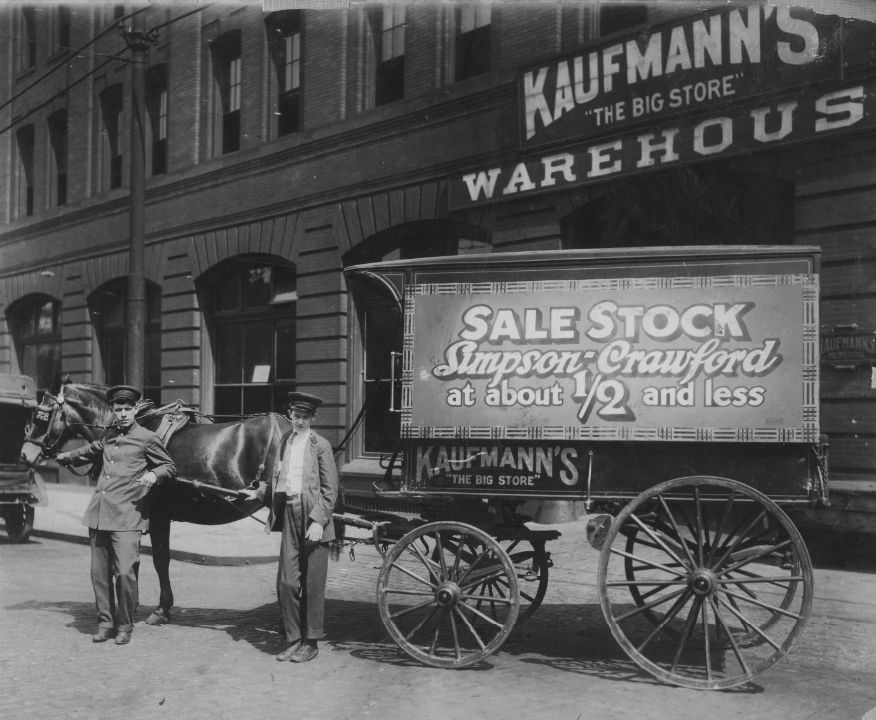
(133, 460)
(303, 489)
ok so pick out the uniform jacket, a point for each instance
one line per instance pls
(319, 486)
(119, 501)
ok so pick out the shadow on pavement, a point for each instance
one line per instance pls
(841, 550)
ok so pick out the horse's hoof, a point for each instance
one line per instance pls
(158, 618)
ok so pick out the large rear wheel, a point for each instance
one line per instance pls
(705, 582)
(447, 594)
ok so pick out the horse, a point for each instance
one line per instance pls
(226, 456)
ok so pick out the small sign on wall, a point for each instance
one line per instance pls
(848, 347)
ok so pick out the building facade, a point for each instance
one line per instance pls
(284, 144)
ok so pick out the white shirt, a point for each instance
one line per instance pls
(294, 462)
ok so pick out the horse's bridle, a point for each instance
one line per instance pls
(49, 448)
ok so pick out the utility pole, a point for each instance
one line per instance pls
(138, 42)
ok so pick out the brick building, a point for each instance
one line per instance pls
(283, 144)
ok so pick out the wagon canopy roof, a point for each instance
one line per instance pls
(18, 390)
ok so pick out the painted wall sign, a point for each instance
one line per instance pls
(849, 348)
(737, 130)
(708, 62)
(722, 358)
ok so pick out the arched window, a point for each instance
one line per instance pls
(35, 322)
(379, 322)
(108, 305)
(250, 303)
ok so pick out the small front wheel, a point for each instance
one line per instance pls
(19, 522)
(447, 594)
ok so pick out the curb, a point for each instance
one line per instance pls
(181, 555)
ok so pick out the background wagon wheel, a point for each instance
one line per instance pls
(531, 563)
(720, 582)
(643, 593)
(19, 522)
(450, 606)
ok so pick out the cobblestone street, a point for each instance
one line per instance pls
(216, 658)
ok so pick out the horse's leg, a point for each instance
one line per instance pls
(159, 532)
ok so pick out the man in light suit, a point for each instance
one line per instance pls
(303, 491)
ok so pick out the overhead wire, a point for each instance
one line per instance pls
(91, 42)
(73, 84)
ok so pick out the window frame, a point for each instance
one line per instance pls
(285, 31)
(472, 45)
(112, 108)
(25, 145)
(227, 281)
(58, 157)
(157, 107)
(389, 25)
(227, 58)
(27, 311)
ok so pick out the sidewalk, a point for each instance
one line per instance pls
(239, 543)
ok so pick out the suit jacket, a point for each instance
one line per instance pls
(119, 501)
(319, 486)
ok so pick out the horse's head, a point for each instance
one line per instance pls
(76, 411)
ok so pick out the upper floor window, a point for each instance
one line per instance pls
(156, 106)
(285, 37)
(617, 16)
(250, 306)
(58, 158)
(473, 40)
(389, 39)
(109, 309)
(60, 28)
(35, 324)
(227, 73)
(24, 176)
(111, 101)
(27, 39)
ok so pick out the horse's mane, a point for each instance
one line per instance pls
(92, 395)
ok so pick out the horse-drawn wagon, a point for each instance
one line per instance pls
(671, 392)
(20, 487)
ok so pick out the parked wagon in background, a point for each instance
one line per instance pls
(20, 488)
(673, 392)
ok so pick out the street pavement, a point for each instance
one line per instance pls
(216, 658)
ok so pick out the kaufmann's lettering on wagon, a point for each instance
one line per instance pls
(536, 356)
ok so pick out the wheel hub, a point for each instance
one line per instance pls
(703, 582)
(447, 594)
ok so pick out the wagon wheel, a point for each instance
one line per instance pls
(531, 564)
(19, 522)
(720, 579)
(453, 605)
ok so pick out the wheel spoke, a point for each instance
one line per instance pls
(704, 611)
(675, 527)
(688, 629)
(748, 623)
(654, 603)
(657, 540)
(765, 606)
(481, 615)
(402, 568)
(410, 609)
(668, 618)
(422, 623)
(471, 629)
(648, 563)
(719, 619)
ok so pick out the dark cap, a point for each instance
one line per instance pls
(303, 402)
(122, 393)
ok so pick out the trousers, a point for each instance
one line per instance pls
(115, 564)
(301, 577)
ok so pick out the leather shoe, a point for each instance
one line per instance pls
(305, 652)
(102, 635)
(123, 638)
(288, 652)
